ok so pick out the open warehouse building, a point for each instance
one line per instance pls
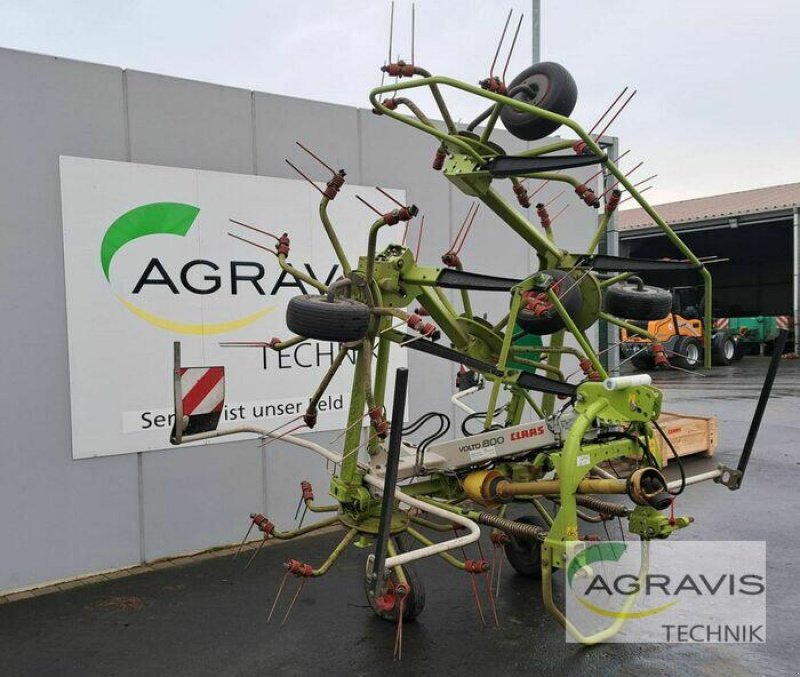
(751, 239)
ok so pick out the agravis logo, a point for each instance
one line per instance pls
(162, 218)
(701, 591)
(608, 552)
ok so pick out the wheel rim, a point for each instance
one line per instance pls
(692, 353)
(729, 349)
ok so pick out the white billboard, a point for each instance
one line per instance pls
(148, 261)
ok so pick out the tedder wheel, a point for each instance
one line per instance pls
(637, 302)
(549, 321)
(545, 85)
(687, 353)
(415, 600)
(723, 349)
(526, 555)
(315, 317)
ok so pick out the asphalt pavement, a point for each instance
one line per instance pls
(209, 618)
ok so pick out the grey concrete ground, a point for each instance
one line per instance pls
(209, 618)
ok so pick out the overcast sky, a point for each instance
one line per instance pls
(718, 103)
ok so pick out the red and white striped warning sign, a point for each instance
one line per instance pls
(784, 322)
(722, 323)
(203, 390)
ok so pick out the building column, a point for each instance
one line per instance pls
(796, 277)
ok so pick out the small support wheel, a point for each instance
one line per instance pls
(316, 317)
(388, 607)
(525, 555)
(546, 85)
(637, 301)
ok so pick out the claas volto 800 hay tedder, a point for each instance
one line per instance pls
(544, 442)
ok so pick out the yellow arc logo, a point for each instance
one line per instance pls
(162, 218)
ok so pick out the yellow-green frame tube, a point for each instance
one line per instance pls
(446, 556)
(334, 240)
(337, 551)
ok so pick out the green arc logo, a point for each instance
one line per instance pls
(606, 552)
(162, 218)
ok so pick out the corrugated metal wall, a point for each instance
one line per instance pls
(63, 518)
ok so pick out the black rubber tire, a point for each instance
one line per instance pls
(629, 302)
(524, 555)
(415, 602)
(687, 353)
(556, 92)
(341, 320)
(741, 351)
(550, 323)
(723, 349)
(643, 361)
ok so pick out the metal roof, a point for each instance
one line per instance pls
(728, 205)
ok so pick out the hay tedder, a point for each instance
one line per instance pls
(543, 442)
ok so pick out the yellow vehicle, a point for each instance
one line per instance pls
(679, 338)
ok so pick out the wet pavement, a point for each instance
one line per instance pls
(209, 618)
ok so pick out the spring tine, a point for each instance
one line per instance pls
(255, 244)
(398, 636)
(405, 232)
(477, 598)
(391, 31)
(278, 596)
(383, 192)
(299, 504)
(461, 228)
(294, 599)
(258, 230)
(282, 425)
(608, 110)
(352, 425)
(255, 552)
(491, 598)
(500, 44)
(643, 190)
(244, 540)
(511, 50)
(413, 29)
(317, 158)
(559, 213)
(303, 516)
(616, 115)
(363, 201)
(419, 237)
(322, 192)
(602, 169)
(391, 327)
(635, 167)
(416, 338)
(649, 178)
(627, 174)
(278, 438)
(492, 567)
(553, 199)
(468, 228)
(499, 571)
(540, 188)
